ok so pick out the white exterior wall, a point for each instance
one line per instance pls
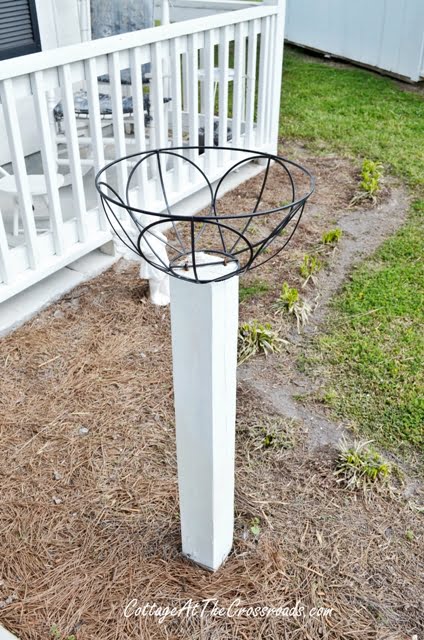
(387, 34)
(58, 22)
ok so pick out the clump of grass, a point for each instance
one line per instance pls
(254, 338)
(253, 289)
(309, 268)
(370, 185)
(276, 434)
(290, 302)
(360, 466)
(332, 236)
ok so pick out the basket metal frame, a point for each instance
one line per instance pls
(241, 247)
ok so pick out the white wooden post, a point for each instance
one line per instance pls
(165, 19)
(204, 345)
(85, 20)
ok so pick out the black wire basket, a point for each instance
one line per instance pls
(246, 232)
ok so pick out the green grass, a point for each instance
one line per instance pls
(372, 355)
(355, 112)
(253, 289)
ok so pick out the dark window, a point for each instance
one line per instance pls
(19, 32)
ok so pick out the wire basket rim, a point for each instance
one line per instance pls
(213, 215)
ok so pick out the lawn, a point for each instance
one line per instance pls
(372, 353)
(354, 111)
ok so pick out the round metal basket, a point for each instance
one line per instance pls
(246, 233)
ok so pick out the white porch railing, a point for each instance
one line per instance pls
(224, 69)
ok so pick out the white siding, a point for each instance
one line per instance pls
(386, 34)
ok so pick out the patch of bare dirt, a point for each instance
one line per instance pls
(364, 230)
(89, 503)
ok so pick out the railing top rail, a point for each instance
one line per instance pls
(84, 51)
(224, 5)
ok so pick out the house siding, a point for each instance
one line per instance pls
(386, 34)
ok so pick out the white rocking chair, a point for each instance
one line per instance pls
(37, 187)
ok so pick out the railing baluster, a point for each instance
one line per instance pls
(251, 83)
(239, 73)
(5, 266)
(159, 111)
(138, 113)
(193, 96)
(184, 63)
(71, 134)
(177, 125)
(209, 82)
(49, 160)
(118, 120)
(18, 161)
(157, 96)
(91, 74)
(223, 91)
(263, 90)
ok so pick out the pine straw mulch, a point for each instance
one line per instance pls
(89, 505)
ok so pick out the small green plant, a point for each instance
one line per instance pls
(253, 289)
(290, 302)
(370, 185)
(309, 268)
(288, 297)
(254, 337)
(332, 236)
(360, 466)
(255, 527)
(371, 174)
(56, 634)
(276, 434)
(409, 535)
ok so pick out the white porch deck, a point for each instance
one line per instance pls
(198, 63)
